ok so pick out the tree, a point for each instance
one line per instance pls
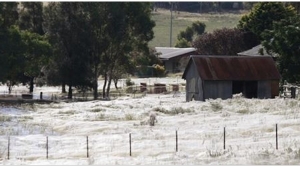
(185, 38)
(221, 42)
(31, 20)
(66, 26)
(132, 33)
(283, 40)
(262, 16)
(12, 46)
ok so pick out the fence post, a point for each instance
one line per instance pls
(176, 141)
(87, 146)
(47, 147)
(130, 144)
(8, 146)
(224, 138)
(276, 138)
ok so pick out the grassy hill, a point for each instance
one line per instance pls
(181, 20)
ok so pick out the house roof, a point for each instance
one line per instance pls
(170, 52)
(255, 51)
(244, 68)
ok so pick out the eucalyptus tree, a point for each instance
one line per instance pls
(114, 31)
(130, 29)
(37, 47)
(65, 24)
(11, 48)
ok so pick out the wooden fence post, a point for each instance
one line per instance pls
(276, 138)
(87, 146)
(130, 144)
(47, 147)
(8, 146)
(176, 141)
(224, 138)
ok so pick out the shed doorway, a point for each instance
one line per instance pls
(247, 88)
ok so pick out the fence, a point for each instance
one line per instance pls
(215, 143)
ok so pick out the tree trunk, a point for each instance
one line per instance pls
(70, 92)
(63, 88)
(104, 85)
(116, 83)
(108, 87)
(95, 89)
(31, 85)
(95, 85)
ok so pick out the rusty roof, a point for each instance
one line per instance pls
(234, 68)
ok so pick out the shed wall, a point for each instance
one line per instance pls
(217, 89)
(264, 89)
(193, 85)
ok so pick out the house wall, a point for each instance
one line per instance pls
(264, 89)
(217, 89)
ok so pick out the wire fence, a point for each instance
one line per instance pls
(215, 143)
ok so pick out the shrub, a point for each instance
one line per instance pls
(215, 106)
(129, 82)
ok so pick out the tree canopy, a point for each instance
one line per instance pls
(262, 16)
(283, 41)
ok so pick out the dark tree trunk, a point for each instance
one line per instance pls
(95, 89)
(104, 85)
(31, 85)
(95, 85)
(108, 87)
(70, 94)
(63, 88)
(116, 83)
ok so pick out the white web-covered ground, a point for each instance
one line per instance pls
(249, 123)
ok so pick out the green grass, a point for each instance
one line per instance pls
(182, 20)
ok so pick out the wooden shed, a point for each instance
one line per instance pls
(222, 76)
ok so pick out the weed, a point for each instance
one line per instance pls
(99, 117)
(68, 112)
(97, 110)
(173, 111)
(4, 118)
(215, 106)
(129, 117)
(293, 103)
(243, 111)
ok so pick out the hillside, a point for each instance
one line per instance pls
(183, 19)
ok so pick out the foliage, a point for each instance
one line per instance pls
(64, 23)
(159, 70)
(129, 82)
(262, 16)
(221, 42)
(184, 38)
(283, 41)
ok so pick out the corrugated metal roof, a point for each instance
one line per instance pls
(170, 52)
(255, 51)
(244, 68)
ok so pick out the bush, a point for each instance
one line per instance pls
(129, 82)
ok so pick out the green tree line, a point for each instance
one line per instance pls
(73, 43)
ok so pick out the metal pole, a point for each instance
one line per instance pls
(171, 24)
(224, 138)
(47, 147)
(8, 146)
(276, 138)
(176, 141)
(87, 146)
(130, 144)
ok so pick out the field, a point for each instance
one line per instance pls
(249, 124)
(181, 20)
